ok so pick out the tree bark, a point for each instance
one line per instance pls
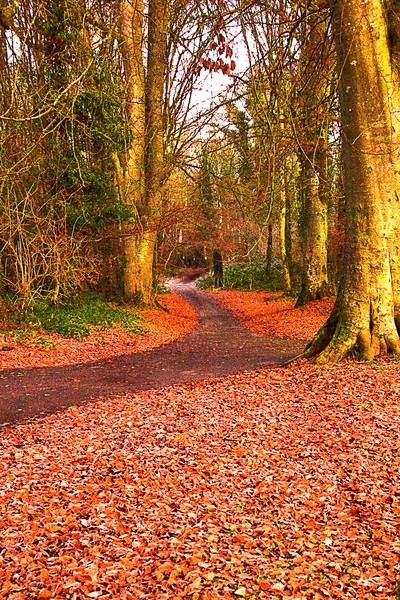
(218, 269)
(313, 151)
(314, 283)
(133, 186)
(155, 163)
(268, 265)
(364, 313)
(144, 173)
(282, 238)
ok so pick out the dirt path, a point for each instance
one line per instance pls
(219, 346)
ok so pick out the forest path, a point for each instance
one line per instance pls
(219, 346)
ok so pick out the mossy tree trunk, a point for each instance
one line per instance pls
(268, 265)
(316, 71)
(289, 228)
(283, 230)
(364, 313)
(155, 164)
(143, 173)
(392, 15)
(131, 178)
(314, 281)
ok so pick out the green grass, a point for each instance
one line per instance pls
(77, 319)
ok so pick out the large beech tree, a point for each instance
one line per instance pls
(141, 180)
(367, 310)
(131, 176)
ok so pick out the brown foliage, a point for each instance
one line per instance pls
(277, 484)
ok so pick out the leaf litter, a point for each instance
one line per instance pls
(162, 327)
(276, 483)
(272, 313)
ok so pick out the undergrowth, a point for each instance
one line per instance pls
(246, 277)
(76, 319)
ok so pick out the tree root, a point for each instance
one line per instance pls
(159, 305)
(338, 338)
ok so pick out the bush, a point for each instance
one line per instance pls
(246, 277)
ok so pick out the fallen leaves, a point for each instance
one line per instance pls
(162, 328)
(270, 313)
(273, 484)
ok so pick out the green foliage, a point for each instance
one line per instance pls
(96, 203)
(45, 343)
(246, 277)
(77, 319)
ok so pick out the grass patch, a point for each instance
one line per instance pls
(77, 320)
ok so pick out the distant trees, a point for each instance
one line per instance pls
(291, 86)
(287, 93)
(89, 136)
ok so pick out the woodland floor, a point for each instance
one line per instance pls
(200, 470)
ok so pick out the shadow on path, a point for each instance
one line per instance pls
(219, 346)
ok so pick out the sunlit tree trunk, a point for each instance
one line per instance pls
(393, 24)
(282, 238)
(155, 164)
(268, 265)
(314, 284)
(364, 313)
(144, 173)
(133, 180)
(289, 229)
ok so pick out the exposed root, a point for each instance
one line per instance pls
(338, 338)
(337, 349)
(320, 341)
(161, 306)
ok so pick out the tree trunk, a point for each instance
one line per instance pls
(144, 175)
(363, 315)
(288, 230)
(155, 164)
(313, 152)
(218, 269)
(133, 187)
(314, 283)
(282, 238)
(393, 24)
(269, 251)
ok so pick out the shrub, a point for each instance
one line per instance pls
(246, 277)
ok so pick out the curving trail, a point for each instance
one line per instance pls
(219, 346)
